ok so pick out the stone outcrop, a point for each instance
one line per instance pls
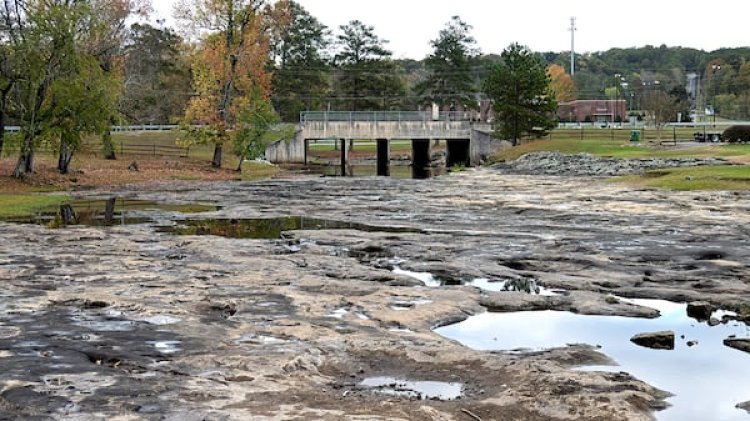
(555, 163)
(655, 340)
(700, 310)
(741, 344)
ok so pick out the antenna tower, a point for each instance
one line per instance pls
(573, 30)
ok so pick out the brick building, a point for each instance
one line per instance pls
(597, 111)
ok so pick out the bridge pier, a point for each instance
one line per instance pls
(458, 153)
(420, 158)
(384, 158)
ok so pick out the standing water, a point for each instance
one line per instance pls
(708, 379)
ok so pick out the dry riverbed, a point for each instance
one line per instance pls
(135, 322)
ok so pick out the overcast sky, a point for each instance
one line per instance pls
(543, 25)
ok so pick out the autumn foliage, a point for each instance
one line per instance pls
(561, 83)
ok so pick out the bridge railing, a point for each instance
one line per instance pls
(384, 116)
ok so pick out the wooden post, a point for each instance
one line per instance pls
(109, 210)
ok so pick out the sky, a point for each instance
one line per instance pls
(543, 25)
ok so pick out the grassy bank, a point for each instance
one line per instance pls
(13, 205)
(694, 178)
(736, 177)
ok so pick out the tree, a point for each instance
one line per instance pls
(43, 37)
(661, 107)
(157, 76)
(300, 80)
(520, 90)
(561, 83)
(450, 80)
(255, 121)
(54, 44)
(369, 80)
(107, 43)
(228, 66)
(78, 104)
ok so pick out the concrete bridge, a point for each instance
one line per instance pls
(468, 142)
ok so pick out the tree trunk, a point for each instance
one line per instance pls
(25, 164)
(2, 131)
(109, 147)
(216, 162)
(2, 125)
(242, 160)
(66, 155)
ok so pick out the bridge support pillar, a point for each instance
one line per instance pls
(384, 158)
(420, 158)
(458, 153)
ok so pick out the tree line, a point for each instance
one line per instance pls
(226, 74)
(230, 69)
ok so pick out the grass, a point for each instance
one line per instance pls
(735, 177)
(694, 178)
(15, 205)
(252, 171)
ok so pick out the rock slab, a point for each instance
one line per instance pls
(741, 344)
(655, 340)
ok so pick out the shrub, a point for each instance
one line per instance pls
(735, 134)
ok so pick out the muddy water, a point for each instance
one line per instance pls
(707, 379)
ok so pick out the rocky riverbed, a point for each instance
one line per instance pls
(136, 322)
(555, 163)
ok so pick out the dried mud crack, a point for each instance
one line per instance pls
(136, 323)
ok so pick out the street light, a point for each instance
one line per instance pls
(715, 68)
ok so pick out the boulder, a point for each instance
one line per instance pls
(742, 344)
(655, 340)
(700, 310)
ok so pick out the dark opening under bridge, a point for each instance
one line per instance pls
(468, 141)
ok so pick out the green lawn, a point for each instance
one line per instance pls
(694, 178)
(14, 205)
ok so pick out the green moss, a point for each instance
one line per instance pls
(15, 205)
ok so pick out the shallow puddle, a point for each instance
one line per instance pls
(526, 285)
(93, 212)
(422, 390)
(268, 228)
(708, 379)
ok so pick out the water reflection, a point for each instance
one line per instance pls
(400, 171)
(708, 379)
(526, 285)
(423, 390)
(269, 228)
(105, 212)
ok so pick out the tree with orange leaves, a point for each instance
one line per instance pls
(229, 68)
(561, 83)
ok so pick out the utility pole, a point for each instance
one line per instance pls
(573, 30)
